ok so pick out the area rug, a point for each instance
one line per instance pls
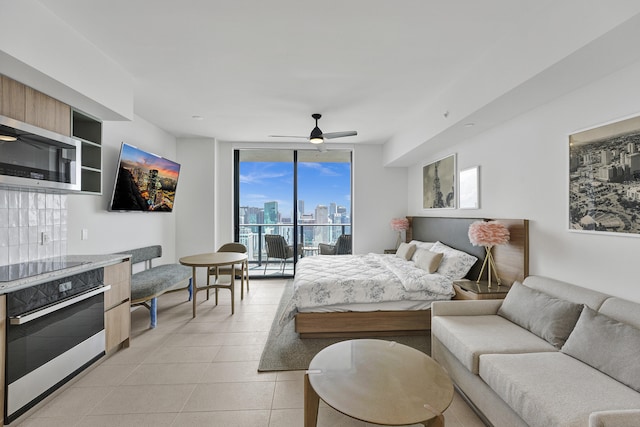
(285, 351)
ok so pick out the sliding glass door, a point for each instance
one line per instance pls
(287, 202)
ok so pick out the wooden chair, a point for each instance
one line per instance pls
(243, 268)
(277, 247)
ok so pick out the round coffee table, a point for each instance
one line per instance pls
(377, 381)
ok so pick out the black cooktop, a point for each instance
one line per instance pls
(21, 270)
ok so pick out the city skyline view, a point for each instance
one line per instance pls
(318, 184)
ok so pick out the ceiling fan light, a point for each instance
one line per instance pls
(8, 138)
(316, 140)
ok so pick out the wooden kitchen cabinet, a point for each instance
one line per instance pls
(46, 112)
(23, 103)
(117, 303)
(12, 98)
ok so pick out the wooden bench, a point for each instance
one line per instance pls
(147, 285)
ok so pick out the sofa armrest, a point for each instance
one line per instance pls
(465, 307)
(616, 418)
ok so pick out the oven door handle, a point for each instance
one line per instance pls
(21, 319)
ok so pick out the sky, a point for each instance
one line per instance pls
(318, 184)
(166, 168)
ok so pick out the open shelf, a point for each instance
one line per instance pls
(89, 131)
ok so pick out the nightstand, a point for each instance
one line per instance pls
(469, 289)
(390, 251)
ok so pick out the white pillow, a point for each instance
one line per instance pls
(405, 251)
(427, 260)
(455, 264)
(420, 245)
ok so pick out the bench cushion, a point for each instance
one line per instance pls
(468, 337)
(553, 389)
(152, 282)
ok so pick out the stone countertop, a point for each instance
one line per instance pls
(89, 262)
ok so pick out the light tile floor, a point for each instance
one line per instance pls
(198, 372)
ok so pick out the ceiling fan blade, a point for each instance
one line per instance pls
(288, 136)
(332, 135)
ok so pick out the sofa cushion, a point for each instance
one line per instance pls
(468, 337)
(566, 291)
(618, 418)
(549, 318)
(608, 345)
(553, 389)
(622, 310)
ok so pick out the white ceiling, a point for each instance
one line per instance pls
(254, 68)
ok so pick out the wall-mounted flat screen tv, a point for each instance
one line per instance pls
(144, 181)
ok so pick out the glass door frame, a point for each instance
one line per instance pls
(297, 244)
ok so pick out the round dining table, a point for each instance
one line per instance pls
(212, 262)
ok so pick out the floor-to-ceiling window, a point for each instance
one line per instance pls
(296, 198)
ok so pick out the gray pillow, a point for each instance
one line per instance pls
(608, 345)
(550, 318)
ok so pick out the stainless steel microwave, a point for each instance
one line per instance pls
(32, 157)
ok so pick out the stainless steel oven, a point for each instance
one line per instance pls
(54, 331)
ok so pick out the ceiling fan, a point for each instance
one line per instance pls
(317, 136)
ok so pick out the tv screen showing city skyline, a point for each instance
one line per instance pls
(145, 181)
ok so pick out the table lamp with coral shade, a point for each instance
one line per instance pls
(488, 234)
(399, 224)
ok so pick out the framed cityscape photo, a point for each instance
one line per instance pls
(604, 178)
(439, 184)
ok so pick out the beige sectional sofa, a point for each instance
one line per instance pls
(539, 358)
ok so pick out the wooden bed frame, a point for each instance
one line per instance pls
(512, 262)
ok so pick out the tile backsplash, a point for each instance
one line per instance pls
(33, 225)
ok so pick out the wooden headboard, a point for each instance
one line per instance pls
(512, 259)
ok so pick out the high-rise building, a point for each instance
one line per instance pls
(634, 163)
(300, 208)
(271, 213)
(606, 156)
(250, 240)
(322, 234)
(322, 214)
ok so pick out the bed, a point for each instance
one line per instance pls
(404, 310)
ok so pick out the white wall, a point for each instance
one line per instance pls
(196, 217)
(53, 58)
(524, 174)
(380, 194)
(118, 231)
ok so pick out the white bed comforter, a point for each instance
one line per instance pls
(353, 279)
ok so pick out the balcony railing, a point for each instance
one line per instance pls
(309, 236)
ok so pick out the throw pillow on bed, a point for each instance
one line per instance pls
(607, 345)
(405, 251)
(550, 318)
(427, 260)
(455, 264)
(420, 245)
